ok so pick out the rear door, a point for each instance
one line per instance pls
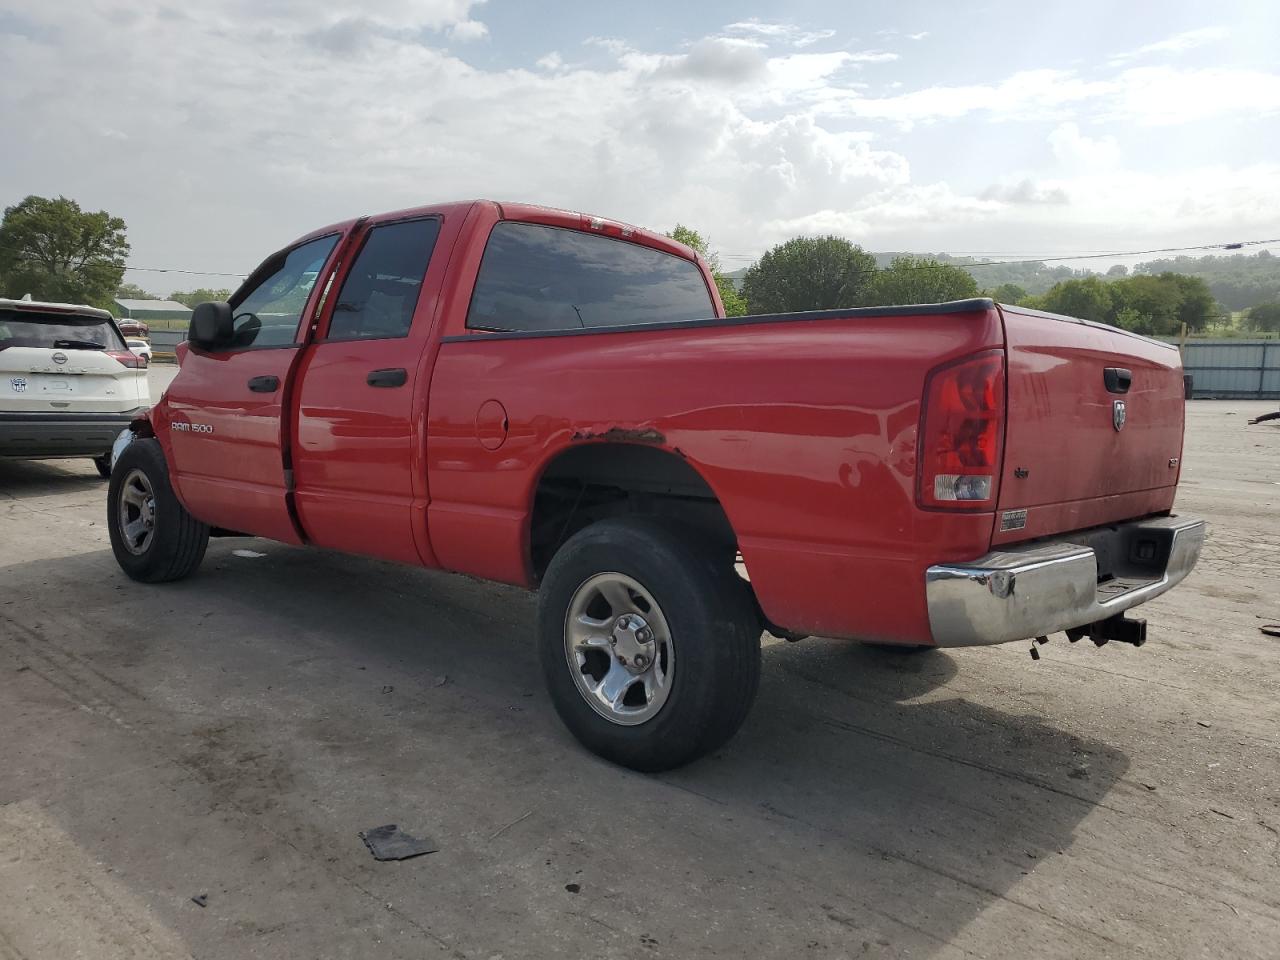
(1094, 434)
(360, 485)
(65, 363)
(225, 406)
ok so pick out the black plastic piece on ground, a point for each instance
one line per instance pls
(392, 843)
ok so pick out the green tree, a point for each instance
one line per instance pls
(1088, 298)
(131, 291)
(734, 303)
(55, 251)
(190, 298)
(1265, 316)
(1008, 293)
(1198, 308)
(809, 273)
(918, 280)
(1155, 300)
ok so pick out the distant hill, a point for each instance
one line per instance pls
(1237, 282)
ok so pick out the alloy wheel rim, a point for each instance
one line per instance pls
(618, 648)
(137, 512)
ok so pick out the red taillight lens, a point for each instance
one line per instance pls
(961, 431)
(128, 358)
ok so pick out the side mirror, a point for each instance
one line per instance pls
(210, 325)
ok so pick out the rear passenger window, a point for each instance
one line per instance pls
(535, 277)
(380, 292)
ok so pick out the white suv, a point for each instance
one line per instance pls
(68, 382)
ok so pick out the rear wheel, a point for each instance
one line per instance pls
(104, 466)
(152, 535)
(649, 643)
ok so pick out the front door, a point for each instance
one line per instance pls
(225, 406)
(357, 486)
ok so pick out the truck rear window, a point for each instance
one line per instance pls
(535, 277)
(30, 328)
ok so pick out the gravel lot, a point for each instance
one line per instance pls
(230, 735)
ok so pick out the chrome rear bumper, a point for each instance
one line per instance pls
(1052, 585)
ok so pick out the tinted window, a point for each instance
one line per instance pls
(26, 328)
(546, 278)
(378, 296)
(268, 314)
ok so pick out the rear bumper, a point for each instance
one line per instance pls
(1053, 585)
(62, 434)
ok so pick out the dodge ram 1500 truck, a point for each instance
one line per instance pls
(558, 401)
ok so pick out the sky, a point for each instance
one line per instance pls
(221, 131)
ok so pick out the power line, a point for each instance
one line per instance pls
(199, 273)
(1110, 254)
(1236, 245)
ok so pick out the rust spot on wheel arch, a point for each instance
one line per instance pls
(622, 435)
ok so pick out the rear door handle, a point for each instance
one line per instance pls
(1117, 379)
(395, 377)
(267, 384)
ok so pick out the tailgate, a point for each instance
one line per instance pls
(1080, 449)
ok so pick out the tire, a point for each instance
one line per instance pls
(174, 544)
(104, 466)
(703, 654)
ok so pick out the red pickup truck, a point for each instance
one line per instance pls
(558, 401)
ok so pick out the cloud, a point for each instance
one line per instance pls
(1152, 96)
(468, 30)
(780, 32)
(1166, 96)
(721, 60)
(1178, 43)
(1074, 149)
(746, 135)
(1025, 191)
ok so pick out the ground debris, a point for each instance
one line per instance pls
(391, 843)
(200, 899)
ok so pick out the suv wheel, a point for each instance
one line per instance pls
(152, 535)
(649, 643)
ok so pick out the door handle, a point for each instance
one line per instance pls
(395, 377)
(267, 384)
(1117, 379)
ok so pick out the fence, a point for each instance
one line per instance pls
(1233, 369)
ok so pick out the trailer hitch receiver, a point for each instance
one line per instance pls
(1119, 628)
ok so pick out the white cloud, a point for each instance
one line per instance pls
(468, 30)
(1025, 191)
(780, 32)
(1161, 96)
(747, 135)
(1075, 150)
(1178, 43)
(1151, 96)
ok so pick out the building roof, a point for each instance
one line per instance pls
(151, 306)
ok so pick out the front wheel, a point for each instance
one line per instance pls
(649, 643)
(152, 535)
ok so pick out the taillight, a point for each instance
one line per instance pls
(961, 432)
(128, 358)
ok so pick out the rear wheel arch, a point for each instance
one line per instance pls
(588, 482)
